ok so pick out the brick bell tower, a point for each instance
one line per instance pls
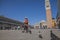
(48, 14)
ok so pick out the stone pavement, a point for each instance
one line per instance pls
(18, 35)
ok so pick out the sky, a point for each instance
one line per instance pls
(34, 10)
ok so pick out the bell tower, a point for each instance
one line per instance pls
(48, 14)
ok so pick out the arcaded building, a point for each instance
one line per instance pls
(10, 24)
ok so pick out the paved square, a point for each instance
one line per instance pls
(18, 35)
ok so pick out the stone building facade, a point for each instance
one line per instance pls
(58, 14)
(7, 23)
